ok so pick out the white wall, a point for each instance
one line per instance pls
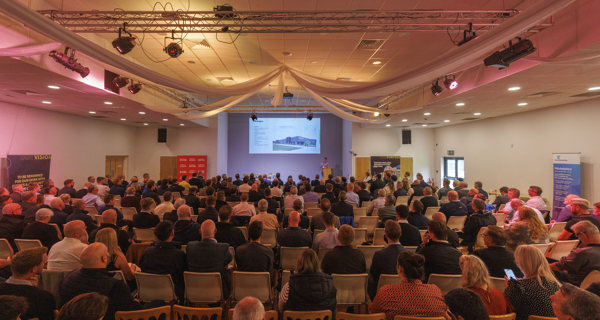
(516, 150)
(368, 142)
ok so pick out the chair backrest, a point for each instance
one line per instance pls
(479, 242)
(446, 282)
(402, 200)
(269, 315)
(307, 315)
(203, 287)
(322, 252)
(288, 257)
(592, 277)
(411, 248)
(562, 249)
(417, 198)
(313, 211)
(244, 231)
(6, 249)
(310, 205)
(181, 312)
(353, 316)
(118, 274)
(555, 230)
(285, 277)
(378, 237)
(366, 204)
(501, 207)
(50, 280)
(385, 279)
(368, 252)
(97, 218)
(256, 284)
(128, 212)
(456, 222)
(498, 283)
(532, 317)
(155, 287)
(58, 232)
(351, 288)
(91, 210)
(430, 211)
(144, 234)
(23, 244)
(510, 316)
(146, 314)
(444, 199)
(399, 317)
(500, 219)
(269, 236)
(368, 222)
(360, 212)
(360, 236)
(542, 246)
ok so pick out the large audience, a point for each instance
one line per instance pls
(507, 251)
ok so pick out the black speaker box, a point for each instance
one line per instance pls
(162, 135)
(406, 136)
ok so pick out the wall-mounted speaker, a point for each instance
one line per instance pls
(162, 135)
(406, 136)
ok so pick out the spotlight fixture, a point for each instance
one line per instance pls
(376, 114)
(287, 95)
(120, 82)
(450, 82)
(253, 116)
(502, 59)
(135, 88)
(69, 61)
(435, 88)
(309, 116)
(124, 44)
(468, 35)
(173, 49)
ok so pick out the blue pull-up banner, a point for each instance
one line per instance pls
(567, 179)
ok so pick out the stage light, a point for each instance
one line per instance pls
(502, 59)
(173, 50)
(436, 89)
(124, 44)
(120, 82)
(450, 82)
(253, 116)
(376, 114)
(69, 61)
(309, 116)
(135, 88)
(468, 35)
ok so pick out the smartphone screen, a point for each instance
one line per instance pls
(510, 274)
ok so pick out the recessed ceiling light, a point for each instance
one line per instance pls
(314, 62)
(141, 112)
(191, 61)
(388, 125)
(477, 113)
(446, 121)
(521, 104)
(92, 112)
(123, 119)
(46, 102)
(108, 102)
(404, 120)
(427, 113)
(286, 53)
(376, 114)
(54, 87)
(460, 104)
(145, 123)
(376, 62)
(593, 88)
(165, 119)
(181, 124)
(514, 88)
(423, 125)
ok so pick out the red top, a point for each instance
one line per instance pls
(409, 299)
(495, 301)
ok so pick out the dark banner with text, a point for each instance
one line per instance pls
(25, 169)
(381, 164)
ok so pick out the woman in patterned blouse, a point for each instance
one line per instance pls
(411, 297)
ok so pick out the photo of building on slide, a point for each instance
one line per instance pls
(296, 143)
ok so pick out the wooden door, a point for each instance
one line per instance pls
(168, 167)
(361, 165)
(115, 165)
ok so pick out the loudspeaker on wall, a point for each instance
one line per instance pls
(162, 135)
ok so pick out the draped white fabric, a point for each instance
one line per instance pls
(31, 50)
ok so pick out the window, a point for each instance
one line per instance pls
(454, 168)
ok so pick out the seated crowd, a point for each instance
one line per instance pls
(225, 224)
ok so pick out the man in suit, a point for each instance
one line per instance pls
(454, 207)
(293, 236)
(440, 256)
(210, 212)
(317, 220)
(363, 194)
(388, 212)
(145, 219)
(409, 235)
(377, 184)
(109, 220)
(253, 256)
(495, 256)
(428, 199)
(208, 255)
(343, 258)
(192, 199)
(226, 231)
(186, 230)
(341, 208)
(384, 260)
(41, 230)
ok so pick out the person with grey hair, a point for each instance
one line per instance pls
(269, 220)
(41, 230)
(249, 308)
(377, 203)
(342, 209)
(185, 229)
(582, 260)
(573, 303)
(12, 222)
(579, 212)
(288, 201)
(388, 212)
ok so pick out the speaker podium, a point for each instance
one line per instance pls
(326, 172)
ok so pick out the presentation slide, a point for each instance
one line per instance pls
(285, 135)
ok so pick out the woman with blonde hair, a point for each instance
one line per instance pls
(389, 187)
(406, 186)
(539, 232)
(475, 277)
(531, 295)
(308, 288)
(116, 260)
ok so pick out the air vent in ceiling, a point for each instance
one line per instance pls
(542, 94)
(461, 112)
(587, 94)
(99, 117)
(370, 44)
(471, 118)
(27, 92)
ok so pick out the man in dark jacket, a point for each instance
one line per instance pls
(68, 188)
(41, 230)
(440, 256)
(192, 199)
(109, 220)
(428, 199)
(79, 213)
(341, 208)
(495, 256)
(226, 231)
(145, 219)
(293, 236)
(384, 260)
(186, 230)
(454, 207)
(480, 218)
(210, 212)
(410, 235)
(151, 192)
(253, 256)
(12, 223)
(343, 258)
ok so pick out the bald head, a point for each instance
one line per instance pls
(439, 217)
(184, 212)
(249, 308)
(94, 256)
(109, 216)
(452, 195)
(294, 219)
(74, 229)
(208, 229)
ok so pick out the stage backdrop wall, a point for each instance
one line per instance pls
(240, 161)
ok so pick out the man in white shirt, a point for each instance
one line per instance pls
(244, 209)
(64, 255)
(276, 190)
(377, 203)
(103, 189)
(244, 187)
(92, 199)
(351, 196)
(289, 199)
(516, 204)
(535, 200)
(166, 205)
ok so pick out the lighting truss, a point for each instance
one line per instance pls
(280, 21)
